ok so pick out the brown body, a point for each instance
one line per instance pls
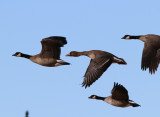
(49, 62)
(117, 103)
(50, 53)
(100, 61)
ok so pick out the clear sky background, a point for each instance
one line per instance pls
(88, 25)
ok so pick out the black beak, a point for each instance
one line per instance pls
(123, 37)
(14, 55)
(90, 97)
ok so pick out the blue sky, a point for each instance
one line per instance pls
(88, 25)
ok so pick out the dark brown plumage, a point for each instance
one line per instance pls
(119, 92)
(50, 53)
(100, 61)
(51, 46)
(151, 51)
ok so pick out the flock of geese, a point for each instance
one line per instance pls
(99, 63)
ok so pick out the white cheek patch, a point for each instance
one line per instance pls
(19, 55)
(128, 37)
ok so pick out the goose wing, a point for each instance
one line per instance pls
(150, 58)
(51, 46)
(95, 69)
(119, 92)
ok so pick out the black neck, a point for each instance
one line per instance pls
(27, 113)
(100, 98)
(134, 37)
(25, 56)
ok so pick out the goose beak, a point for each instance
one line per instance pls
(68, 54)
(14, 55)
(90, 97)
(123, 37)
(126, 37)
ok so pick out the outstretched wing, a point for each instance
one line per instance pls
(150, 58)
(119, 92)
(95, 69)
(51, 46)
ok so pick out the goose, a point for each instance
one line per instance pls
(50, 53)
(119, 97)
(100, 61)
(151, 51)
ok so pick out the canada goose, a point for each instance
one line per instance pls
(118, 98)
(27, 113)
(50, 53)
(151, 51)
(100, 61)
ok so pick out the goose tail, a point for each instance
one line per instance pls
(133, 104)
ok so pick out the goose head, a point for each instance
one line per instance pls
(18, 54)
(126, 37)
(73, 53)
(92, 97)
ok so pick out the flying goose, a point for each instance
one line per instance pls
(118, 98)
(50, 53)
(151, 51)
(100, 61)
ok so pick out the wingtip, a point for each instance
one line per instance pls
(114, 84)
(85, 85)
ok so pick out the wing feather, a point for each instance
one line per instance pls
(150, 59)
(95, 69)
(51, 46)
(119, 92)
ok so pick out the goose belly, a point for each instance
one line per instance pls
(117, 103)
(49, 62)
